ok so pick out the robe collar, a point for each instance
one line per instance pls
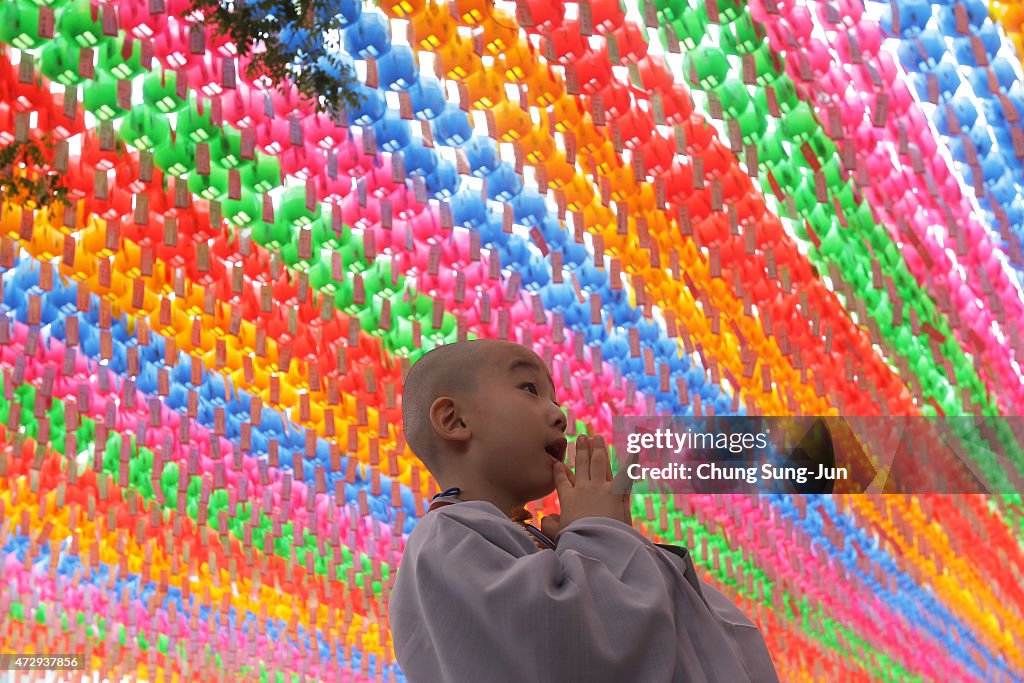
(451, 497)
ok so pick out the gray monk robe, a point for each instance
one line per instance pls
(476, 601)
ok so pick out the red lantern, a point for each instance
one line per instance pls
(567, 43)
(607, 15)
(632, 43)
(594, 71)
(654, 74)
(616, 98)
(635, 127)
(544, 14)
(658, 155)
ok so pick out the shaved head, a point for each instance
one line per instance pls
(448, 370)
(482, 416)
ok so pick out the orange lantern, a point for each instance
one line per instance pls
(639, 260)
(517, 63)
(641, 199)
(500, 33)
(544, 89)
(457, 58)
(596, 214)
(400, 9)
(565, 112)
(622, 183)
(472, 12)
(606, 159)
(578, 194)
(485, 89)
(560, 172)
(431, 28)
(538, 144)
(588, 136)
(511, 122)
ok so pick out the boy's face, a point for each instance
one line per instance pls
(517, 426)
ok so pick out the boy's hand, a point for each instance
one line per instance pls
(550, 525)
(590, 492)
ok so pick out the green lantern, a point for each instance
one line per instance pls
(770, 151)
(175, 158)
(231, 152)
(668, 10)
(144, 128)
(293, 208)
(212, 186)
(353, 255)
(242, 211)
(114, 60)
(19, 24)
(321, 277)
(705, 67)
(160, 90)
(690, 26)
(768, 70)
(271, 235)
(81, 23)
(752, 125)
(831, 242)
(734, 97)
(784, 92)
(787, 175)
(729, 10)
(60, 62)
(799, 123)
(290, 251)
(100, 98)
(198, 127)
(742, 35)
(263, 175)
(378, 277)
(805, 196)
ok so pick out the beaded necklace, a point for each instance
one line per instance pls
(520, 517)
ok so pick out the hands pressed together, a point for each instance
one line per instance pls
(590, 492)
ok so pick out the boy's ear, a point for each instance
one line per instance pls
(447, 420)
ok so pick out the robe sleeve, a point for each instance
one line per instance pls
(470, 604)
(746, 638)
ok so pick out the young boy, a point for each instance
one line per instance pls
(480, 598)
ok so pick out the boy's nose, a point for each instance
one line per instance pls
(559, 418)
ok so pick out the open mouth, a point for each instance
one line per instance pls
(556, 449)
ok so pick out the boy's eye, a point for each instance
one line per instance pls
(533, 388)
